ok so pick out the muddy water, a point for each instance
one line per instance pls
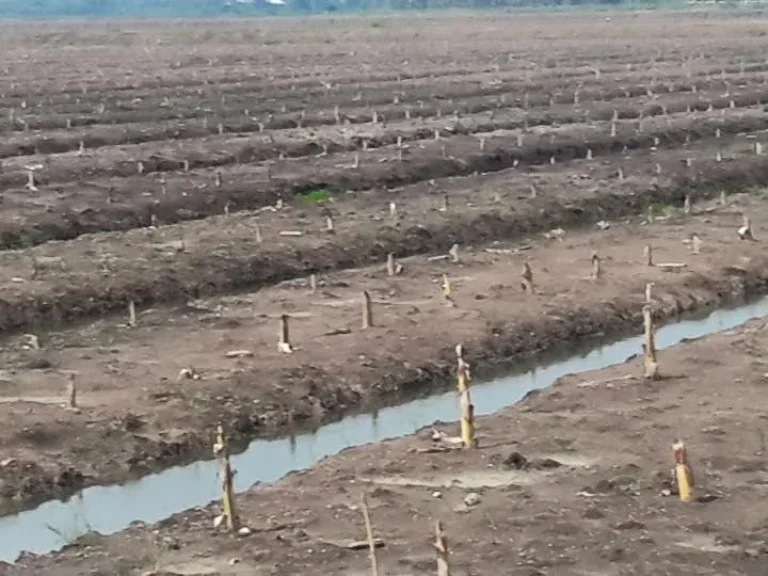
(111, 508)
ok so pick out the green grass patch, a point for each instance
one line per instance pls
(316, 196)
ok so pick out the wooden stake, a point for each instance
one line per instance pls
(226, 476)
(72, 392)
(312, 283)
(648, 253)
(441, 547)
(648, 294)
(649, 345)
(444, 207)
(329, 224)
(369, 535)
(284, 343)
(723, 199)
(454, 253)
(390, 264)
(683, 472)
(696, 243)
(257, 233)
(392, 210)
(132, 313)
(596, 271)
(446, 287)
(745, 232)
(527, 277)
(687, 204)
(367, 311)
(31, 181)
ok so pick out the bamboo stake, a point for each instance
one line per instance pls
(696, 243)
(441, 547)
(648, 253)
(226, 476)
(446, 287)
(683, 472)
(284, 343)
(132, 313)
(72, 392)
(454, 253)
(648, 293)
(369, 535)
(329, 224)
(527, 277)
(312, 283)
(596, 271)
(390, 264)
(649, 345)
(367, 311)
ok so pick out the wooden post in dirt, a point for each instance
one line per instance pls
(687, 204)
(393, 266)
(312, 283)
(31, 186)
(218, 180)
(745, 232)
(446, 288)
(226, 475)
(441, 547)
(72, 392)
(367, 311)
(648, 253)
(444, 207)
(257, 233)
(369, 536)
(723, 200)
(132, 314)
(393, 210)
(466, 408)
(683, 472)
(651, 365)
(696, 243)
(284, 343)
(596, 271)
(648, 292)
(329, 224)
(454, 253)
(527, 277)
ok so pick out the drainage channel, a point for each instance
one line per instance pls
(109, 509)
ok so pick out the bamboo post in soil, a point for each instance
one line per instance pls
(527, 279)
(441, 547)
(390, 264)
(446, 287)
(369, 535)
(72, 392)
(466, 408)
(649, 345)
(683, 472)
(221, 451)
(284, 343)
(648, 252)
(367, 311)
(596, 270)
(132, 313)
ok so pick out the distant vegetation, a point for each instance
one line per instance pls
(191, 8)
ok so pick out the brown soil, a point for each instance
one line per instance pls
(93, 234)
(123, 429)
(574, 480)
